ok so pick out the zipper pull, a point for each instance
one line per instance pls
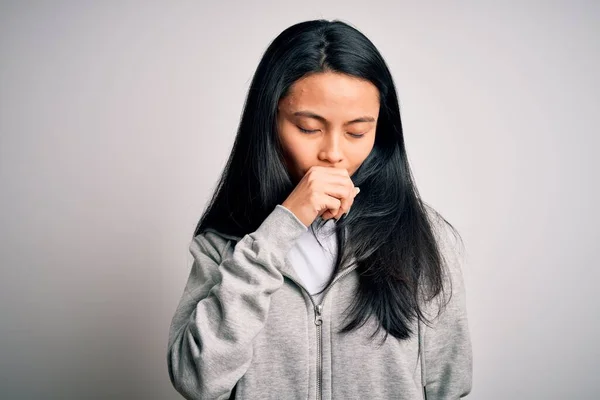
(318, 319)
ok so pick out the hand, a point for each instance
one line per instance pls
(328, 192)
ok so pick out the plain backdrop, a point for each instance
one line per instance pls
(116, 119)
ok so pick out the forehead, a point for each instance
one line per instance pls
(333, 92)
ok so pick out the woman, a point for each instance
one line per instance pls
(301, 288)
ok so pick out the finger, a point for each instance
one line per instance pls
(335, 183)
(345, 209)
(346, 203)
(347, 199)
(339, 192)
(338, 188)
(332, 170)
(332, 205)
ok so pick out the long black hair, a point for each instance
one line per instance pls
(389, 233)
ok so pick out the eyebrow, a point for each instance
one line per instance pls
(311, 114)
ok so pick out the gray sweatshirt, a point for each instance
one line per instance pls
(246, 328)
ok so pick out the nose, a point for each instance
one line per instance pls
(330, 149)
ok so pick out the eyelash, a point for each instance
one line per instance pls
(308, 131)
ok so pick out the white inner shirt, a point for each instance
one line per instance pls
(312, 262)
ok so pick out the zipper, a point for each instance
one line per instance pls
(318, 323)
(318, 308)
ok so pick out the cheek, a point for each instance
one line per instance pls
(360, 152)
(299, 155)
(297, 151)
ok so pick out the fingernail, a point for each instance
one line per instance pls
(357, 189)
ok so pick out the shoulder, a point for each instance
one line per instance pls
(446, 235)
(211, 243)
(452, 251)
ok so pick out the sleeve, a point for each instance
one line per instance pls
(447, 343)
(225, 304)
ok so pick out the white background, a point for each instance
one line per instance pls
(116, 119)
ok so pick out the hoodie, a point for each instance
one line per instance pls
(246, 328)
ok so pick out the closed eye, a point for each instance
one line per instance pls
(309, 131)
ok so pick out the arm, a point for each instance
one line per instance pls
(225, 305)
(448, 353)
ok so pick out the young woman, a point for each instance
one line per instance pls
(302, 288)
